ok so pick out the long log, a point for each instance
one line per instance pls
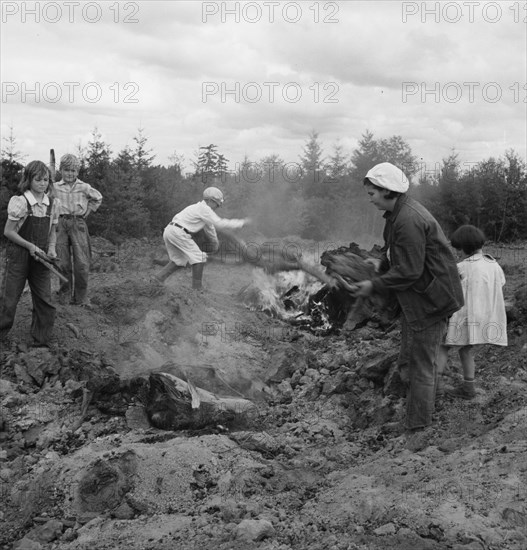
(287, 261)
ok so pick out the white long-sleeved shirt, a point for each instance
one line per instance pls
(200, 216)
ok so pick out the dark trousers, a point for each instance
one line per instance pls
(21, 267)
(73, 242)
(418, 368)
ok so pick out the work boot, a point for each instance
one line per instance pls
(418, 439)
(166, 272)
(466, 390)
(197, 276)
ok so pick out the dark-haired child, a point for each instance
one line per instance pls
(31, 230)
(482, 320)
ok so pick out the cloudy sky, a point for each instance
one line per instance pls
(256, 78)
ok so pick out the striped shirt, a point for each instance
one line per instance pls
(17, 210)
(79, 198)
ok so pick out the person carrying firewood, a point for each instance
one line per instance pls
(419, 267)
(179, 235)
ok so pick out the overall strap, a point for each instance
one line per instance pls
(50, 206)
(29, 208)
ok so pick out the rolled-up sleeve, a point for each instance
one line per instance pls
(94, 198)
(55, 211)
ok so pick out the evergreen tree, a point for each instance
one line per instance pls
(210, 165)
(142, 159)
(11, 166)
(337, 167)
(312, 159)
(366, 156)
(371, 152)
(177, 162)
(9, 150)
(97, 159)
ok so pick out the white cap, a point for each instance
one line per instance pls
(213, 193)
(388, 176)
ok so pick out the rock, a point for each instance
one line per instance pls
(7, 388)
(452, 444)
(285, 387)
(286, 391)
(288, 362)
(85, 517)
(13, 401)
(376, 368)
(48, 532)
(229, 510)
(515, 517)
(74, 388)
(312, 373)
(386, 529)
(342, 382)
(256, 441)
(136, 418)
(69, 535)
(22, 374)
(405, 533)
(27, 544)
(40, 362)
(295, 379)
(253, 509)
(254, 529)
(123, 511)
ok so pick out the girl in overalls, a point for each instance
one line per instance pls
(31, 228)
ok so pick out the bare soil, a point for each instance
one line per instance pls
(322, 464)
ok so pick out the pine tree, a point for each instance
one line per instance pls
(312, 161)
(210, 165)
(10, 171)
(142, 159)
(97, 159)
(337, 166)
(9, 151)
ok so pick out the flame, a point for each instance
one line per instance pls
(267, 292)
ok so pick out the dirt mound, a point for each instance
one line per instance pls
(320, 464)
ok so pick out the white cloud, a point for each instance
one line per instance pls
(361, 62)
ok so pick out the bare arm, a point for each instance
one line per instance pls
(52, 253)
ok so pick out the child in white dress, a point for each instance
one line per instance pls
(482, 320)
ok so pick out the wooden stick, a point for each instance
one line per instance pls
(53, 270)
(52, 166)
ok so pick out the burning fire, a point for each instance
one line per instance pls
(284, 295)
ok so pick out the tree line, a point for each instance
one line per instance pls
(317, 197)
